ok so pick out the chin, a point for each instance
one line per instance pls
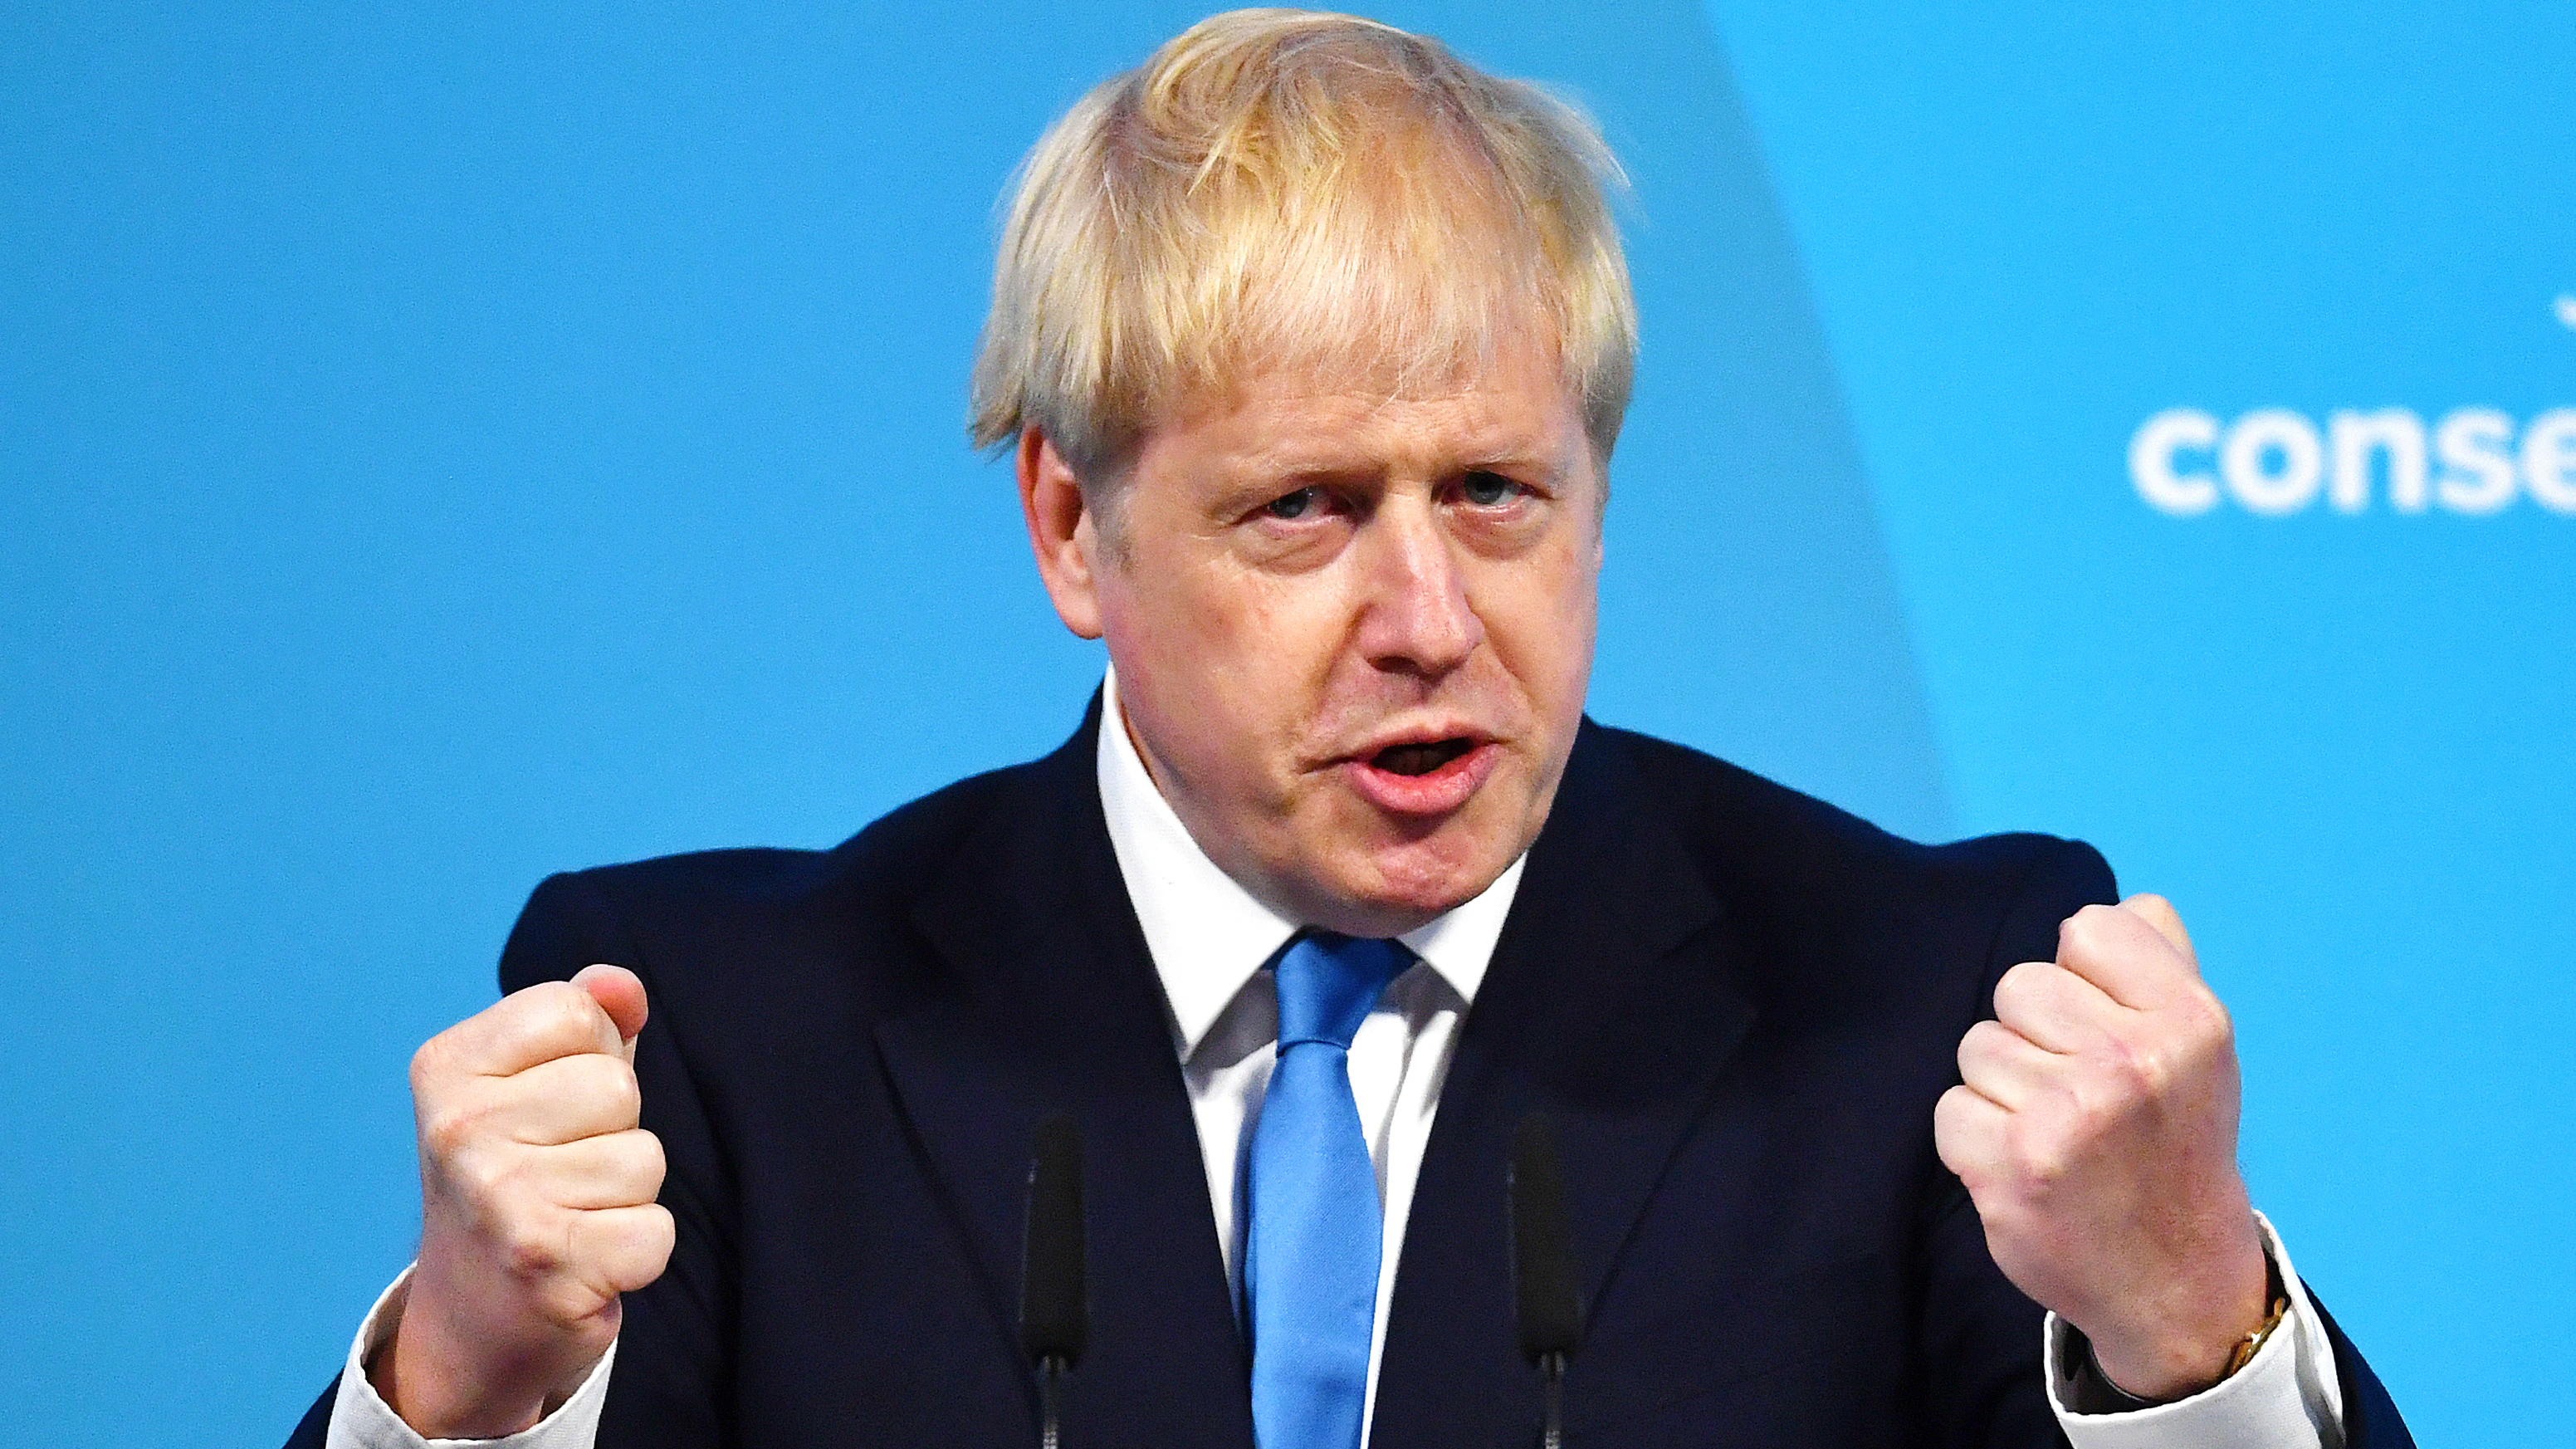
(1366, 873)
(1408, 887)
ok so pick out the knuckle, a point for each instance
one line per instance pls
(643, 1250)
(2070, 930)
(656, 1233)
(2204, 1021)
(664, 1238)
(2028, 992)
(2092, 1107)
(2041, 1159)
(2134, 1065)
(590, 1332)
(606, 1084)
(654, 1164)
(470, 1172)
(623, 1091)
(570, 1309)
(2017, 986)
(2084, 929)
(531, 1249)
(550, 1018)
(2005, 1217)
(569, 1304)
(629, 1173)
(427, 1063)
(1964, 1145)
(479, 1176)
(448, 1129)
(1984, 1043)
(439, 1060)
(567, 1012)
(2139, 1071)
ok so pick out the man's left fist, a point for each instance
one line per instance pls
(2096, 1131)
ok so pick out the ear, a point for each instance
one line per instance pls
(1062, 532)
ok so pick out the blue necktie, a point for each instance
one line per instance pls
(1310, 1259)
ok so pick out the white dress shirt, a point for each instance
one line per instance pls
(1209, 938)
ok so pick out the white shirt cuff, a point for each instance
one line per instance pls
(2286, 1397)
(360, 1418)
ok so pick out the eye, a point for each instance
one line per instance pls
(1294, 505)
(1487, 490)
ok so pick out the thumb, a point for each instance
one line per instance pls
(2158, 912)
(620, 993)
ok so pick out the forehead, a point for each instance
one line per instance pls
(1512, 406)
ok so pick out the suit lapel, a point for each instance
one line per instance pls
(1608, 1004)
(1050, 1001)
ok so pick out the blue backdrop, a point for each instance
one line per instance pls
(441, 447)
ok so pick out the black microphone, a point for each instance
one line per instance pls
(1546, 1297)
(1055, 1302)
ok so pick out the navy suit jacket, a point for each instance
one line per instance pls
(1739, 1003)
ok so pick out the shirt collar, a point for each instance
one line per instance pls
(1208, 935)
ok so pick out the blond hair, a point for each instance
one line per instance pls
(1294, 189)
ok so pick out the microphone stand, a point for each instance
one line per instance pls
(1055, 1299)
(1547, 1297)
(1051, 1401)
(1551, 1369)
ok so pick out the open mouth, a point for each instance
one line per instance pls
(1423, 779)
(1420, 759)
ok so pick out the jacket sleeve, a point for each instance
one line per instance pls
(1979, 1330)
(1981, 1337)
(670, 1346)
(672, 1382)
(315, 1426)
(2370, 1417)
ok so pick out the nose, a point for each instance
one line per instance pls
(1415, 615)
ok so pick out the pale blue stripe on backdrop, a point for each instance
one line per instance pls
(437, 449)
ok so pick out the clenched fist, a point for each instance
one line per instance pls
(2096, 1131)
(537, 1207)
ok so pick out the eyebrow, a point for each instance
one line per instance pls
(1287, 467)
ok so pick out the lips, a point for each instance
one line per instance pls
(1420, 759)
(1420, 776)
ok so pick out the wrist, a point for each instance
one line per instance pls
(450, 1379)
(2159, 1368)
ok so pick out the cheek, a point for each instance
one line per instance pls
(1271, 641)
(1175, 616)
(1215, 659)
(1541, 620)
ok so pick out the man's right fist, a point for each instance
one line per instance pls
(537, 1207)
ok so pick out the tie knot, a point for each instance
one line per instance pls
(1327, 983)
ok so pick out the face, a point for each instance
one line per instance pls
(1352, 633)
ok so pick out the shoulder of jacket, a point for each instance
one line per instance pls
(766, 893)
(1746, 826)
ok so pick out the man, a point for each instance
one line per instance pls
(1313, 344)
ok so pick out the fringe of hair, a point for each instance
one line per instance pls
(1289, 189)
